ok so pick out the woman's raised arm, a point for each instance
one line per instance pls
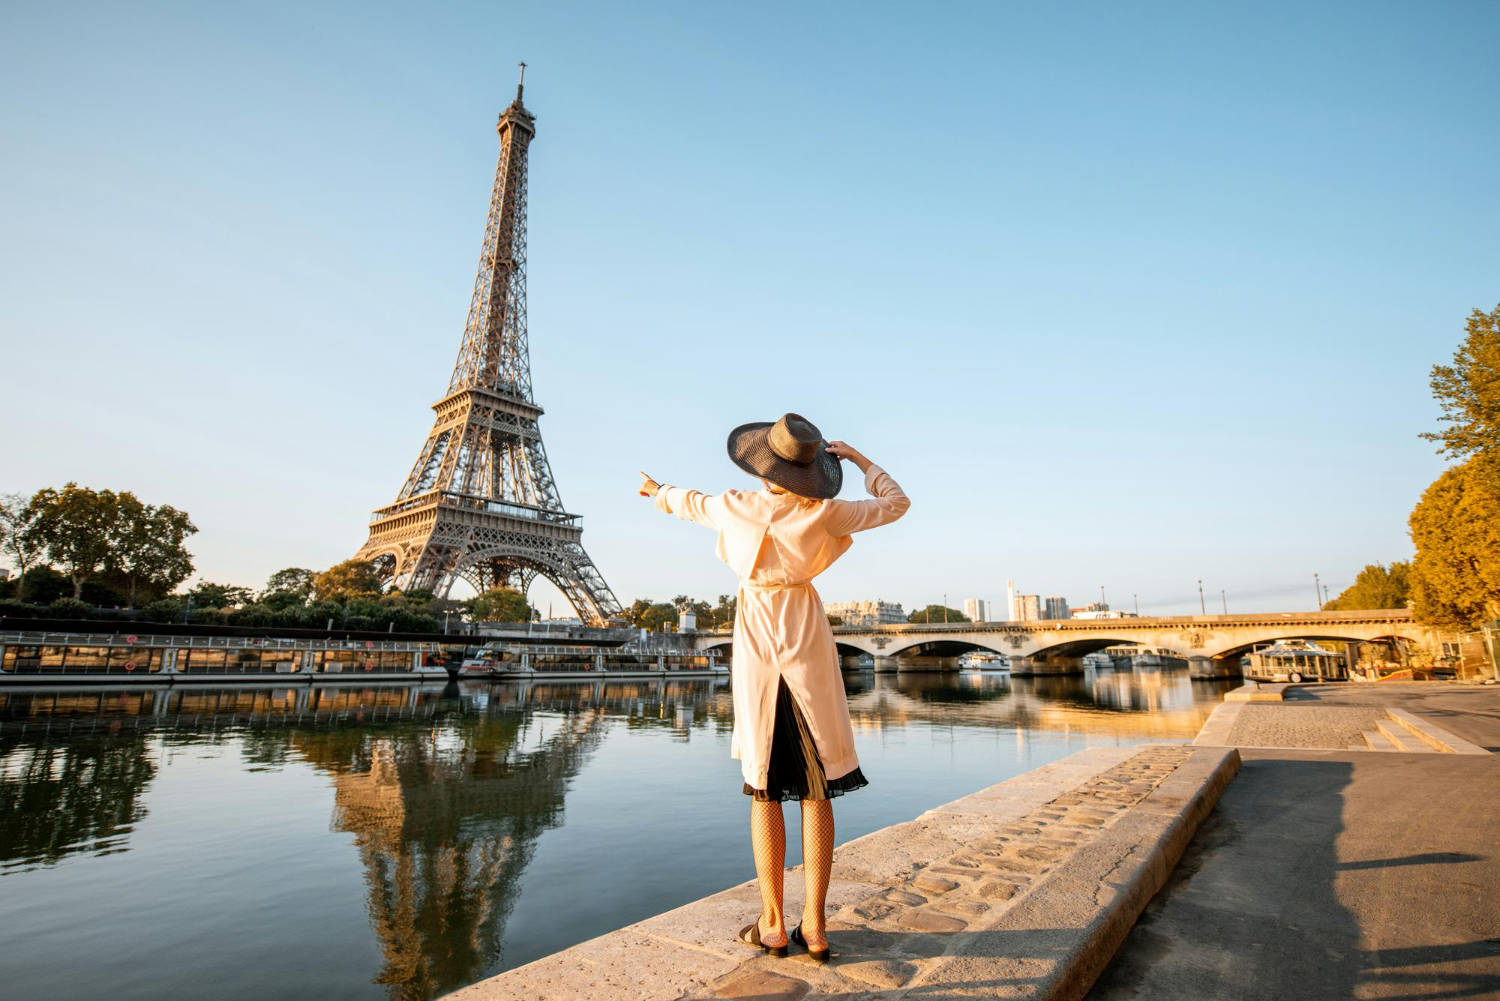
(890, 502)
(689, 505)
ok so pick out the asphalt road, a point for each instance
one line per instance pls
(1336, 874)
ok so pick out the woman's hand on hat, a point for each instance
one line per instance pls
(845, 451)
(649, 487)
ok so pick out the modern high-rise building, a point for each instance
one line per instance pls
(1055, 607)
(977, 609)
(1010, 601)
(866, 613)
(1028, 607)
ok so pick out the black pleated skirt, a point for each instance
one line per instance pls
(795, 771)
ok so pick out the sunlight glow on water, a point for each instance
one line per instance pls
(404, 840)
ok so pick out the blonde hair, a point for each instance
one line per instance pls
(777, 488)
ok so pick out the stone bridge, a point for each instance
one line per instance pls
(1212, 644)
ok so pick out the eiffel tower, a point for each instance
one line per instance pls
(481, 504)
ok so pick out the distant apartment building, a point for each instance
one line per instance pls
(977, 609)
(866, 613)
(1028, 607)
(1056, 607)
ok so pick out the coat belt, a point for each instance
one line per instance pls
(774, 587)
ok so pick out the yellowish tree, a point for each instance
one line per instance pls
(1469, 393)
(349, 579)
(1455, 576)
(1376, 586)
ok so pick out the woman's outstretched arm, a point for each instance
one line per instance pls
(890, 503)
(689, 505)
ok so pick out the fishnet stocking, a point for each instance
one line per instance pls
(817, 863)
(768, 841)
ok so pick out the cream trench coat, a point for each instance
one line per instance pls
(777, 543)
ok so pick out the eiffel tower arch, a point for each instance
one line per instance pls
(480, 503)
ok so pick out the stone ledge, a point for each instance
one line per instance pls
(1058, 939)
(1433, 735)
(1079, 845)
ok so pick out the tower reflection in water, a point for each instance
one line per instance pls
(445, 826)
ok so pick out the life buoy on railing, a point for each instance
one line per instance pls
(369, 644)
(130, 639)
(130, 665)
(369, 666)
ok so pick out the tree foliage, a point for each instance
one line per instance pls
(291, 581)
(1455, 576)
(148, 547)
(937, 613)
(207, 595)
(1469, 393)
(349, 579)
(1376, 586)
(657, 616)
(500, 604)
(16, 542)
(76, 528)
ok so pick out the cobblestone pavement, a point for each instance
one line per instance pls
(1307, 725)
(887, 941)
(1470, 711)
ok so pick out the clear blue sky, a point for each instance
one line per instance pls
(1128, 295)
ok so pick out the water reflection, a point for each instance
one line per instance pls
(75, 796)
(444, 793)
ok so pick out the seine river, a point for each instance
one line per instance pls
(403, 841)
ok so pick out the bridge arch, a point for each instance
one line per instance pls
(947, 648)
(1083, 647)
(1234, 653)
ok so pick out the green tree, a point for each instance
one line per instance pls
(16, 516)
(44, 585)
(69, 608)
(724, 611)
(148, 546)
(636, 613)
(1376, 586)
(1455, 577)
(937, 613)
(291, 581)
(1469, 393)
(658, 616)
(500, 604)
(76, 528)
(349, 579)
(207, 595)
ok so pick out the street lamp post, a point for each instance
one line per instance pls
(945, 609)
(1225, 599)
(1202, 606)
(1137, 599)
(1318, 591)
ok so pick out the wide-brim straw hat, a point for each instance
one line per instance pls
(791, 453)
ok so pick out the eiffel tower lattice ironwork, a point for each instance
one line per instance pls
(480, 503)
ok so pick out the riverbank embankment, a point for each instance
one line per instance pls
(1023, 889)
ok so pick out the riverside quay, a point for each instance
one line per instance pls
(52, 652)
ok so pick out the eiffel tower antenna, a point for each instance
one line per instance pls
(480, 503)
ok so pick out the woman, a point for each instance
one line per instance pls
(791, 721)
